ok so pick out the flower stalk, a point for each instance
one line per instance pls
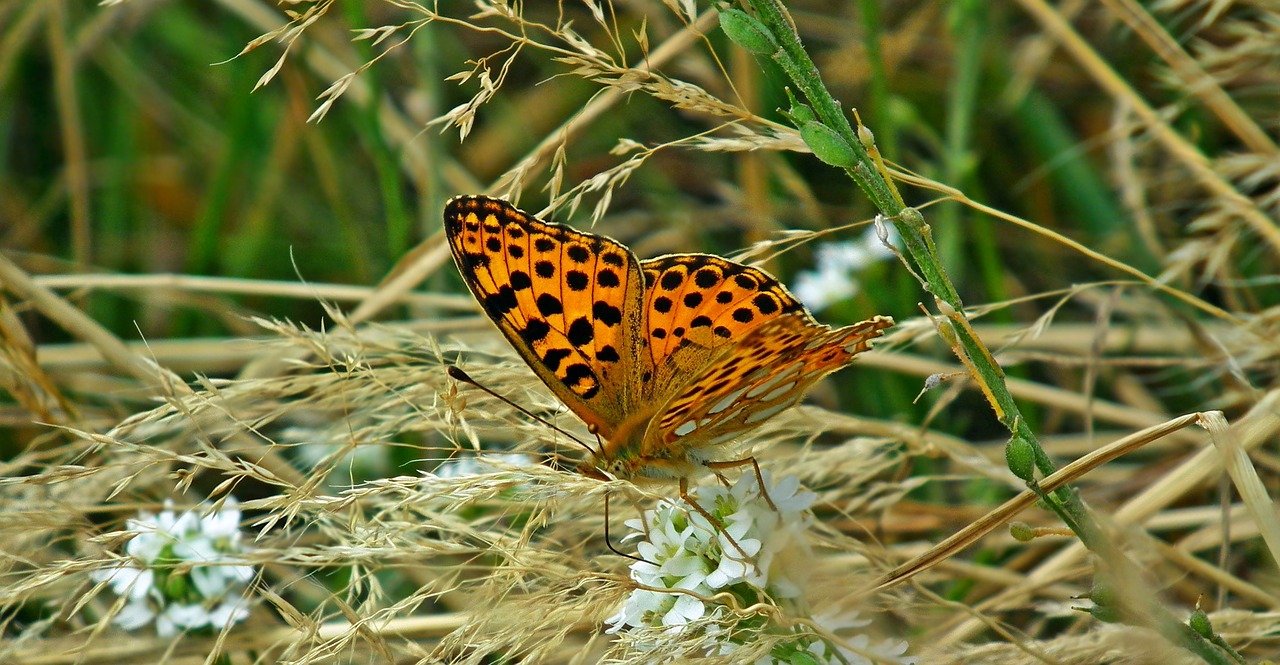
(873, 178)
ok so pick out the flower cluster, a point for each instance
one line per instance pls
(755, 554)
(185, 572)
(833, 278)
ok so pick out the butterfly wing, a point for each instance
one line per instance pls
(569, 302)
(766, 372)
(696, 304)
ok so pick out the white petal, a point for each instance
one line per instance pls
(241, 574)
(686, 609)
(209, 581)
(229, 611)
(134, 615)
(683, 565)
(197, 549)
(185, 616)
(142, 584)
(224, 523)
(147, 545)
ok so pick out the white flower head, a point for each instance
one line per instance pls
(753, 552)
(687, 552)
(185, 571)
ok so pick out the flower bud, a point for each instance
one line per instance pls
(1020, 457)
(1199, 622)
(828, 146)
(799, 114)
(745, 31)
(1022, 532)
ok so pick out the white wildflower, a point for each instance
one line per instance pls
(685, 551)
(185, 572)
(832, 278)
(755, 554)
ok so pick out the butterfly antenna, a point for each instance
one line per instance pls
(459, 375)
(609, 543)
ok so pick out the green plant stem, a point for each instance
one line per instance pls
(872, 178)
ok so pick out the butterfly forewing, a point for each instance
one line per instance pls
(569, 302)
(765, 373)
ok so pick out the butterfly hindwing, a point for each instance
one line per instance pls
(698, 303)
(766, 372)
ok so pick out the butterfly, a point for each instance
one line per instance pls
(666, 360)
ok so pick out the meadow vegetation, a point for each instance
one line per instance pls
(226, 301)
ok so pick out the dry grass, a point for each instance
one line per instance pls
(324, 408)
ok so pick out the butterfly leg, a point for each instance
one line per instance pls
(715, 466)
(720, 476)
(715, 523)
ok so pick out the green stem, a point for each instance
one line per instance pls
(870, 175)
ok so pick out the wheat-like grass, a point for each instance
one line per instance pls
(1131, 305)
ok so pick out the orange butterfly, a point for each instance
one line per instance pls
(664, 359)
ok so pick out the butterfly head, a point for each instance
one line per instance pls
(604, 470)
(638, 469)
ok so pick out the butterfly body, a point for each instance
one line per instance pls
(666, 360)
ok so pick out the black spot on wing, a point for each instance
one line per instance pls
(520, 280)
(553, 358)
(549, 305)
(500, 302)
(766, 303)
(535, 331)
(581, 332)
(606, 313)
(576, 280)
(608, 279)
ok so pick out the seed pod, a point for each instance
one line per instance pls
(828, 146)
(745, 31)
(1020, 458)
